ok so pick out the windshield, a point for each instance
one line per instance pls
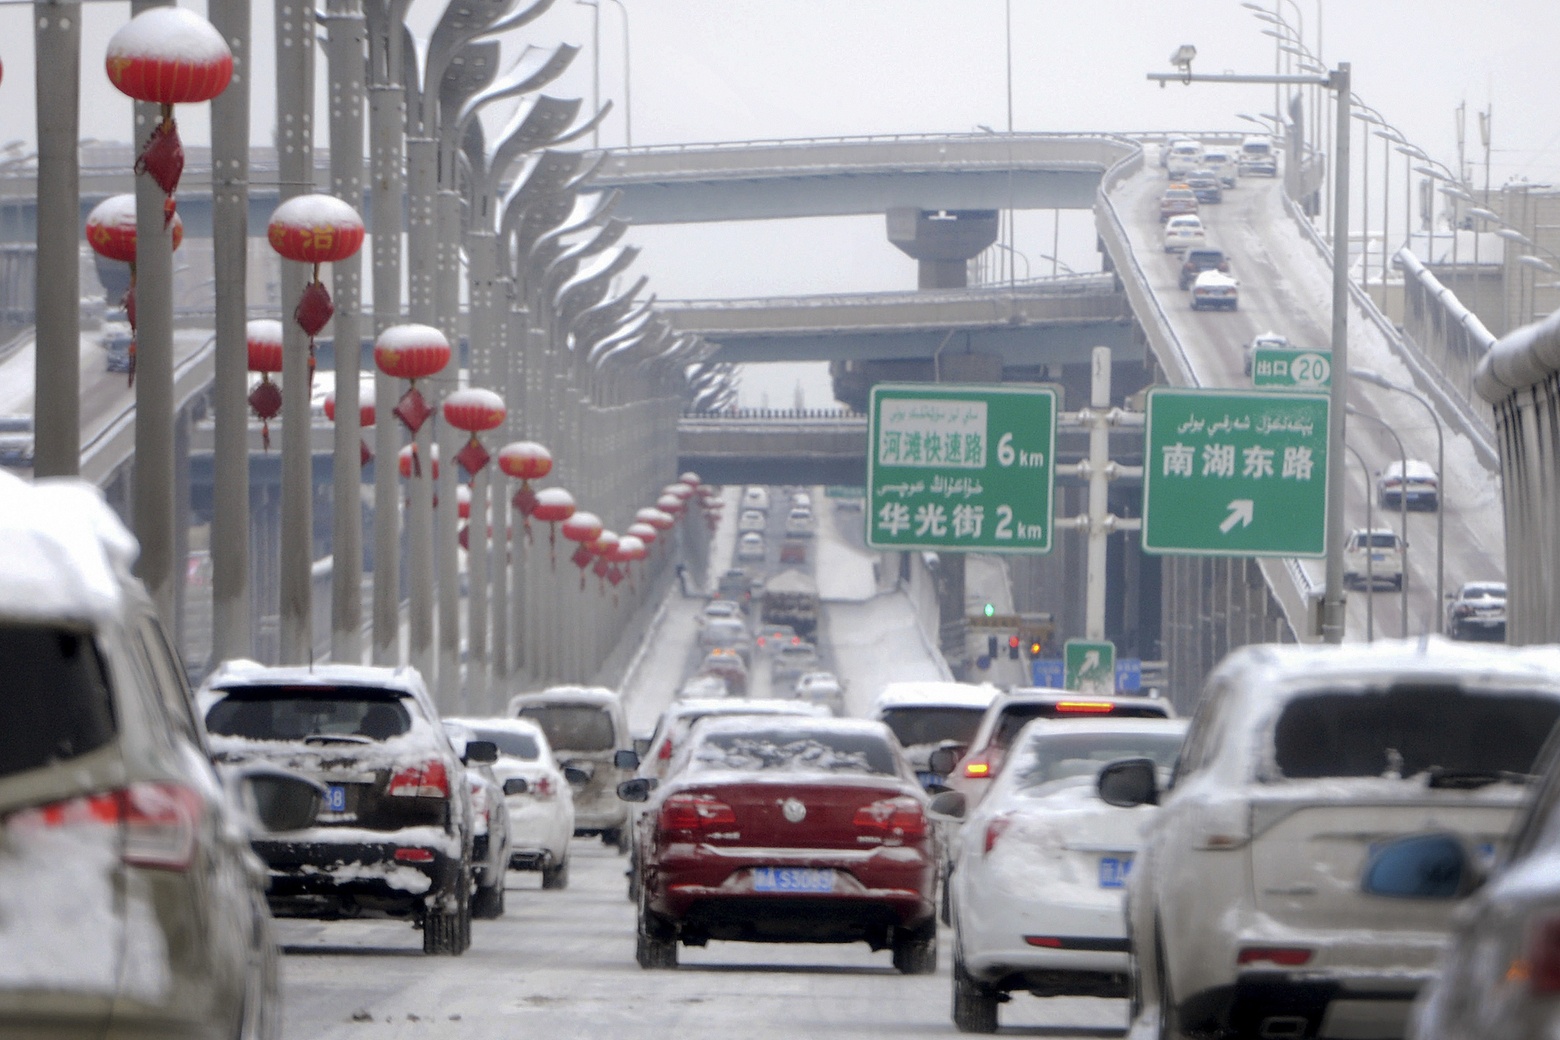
(1058, 756)
(1378, 540)
(933, 725)
(54, 697)
(286, 713)
(795, 750)
(1408, 730)
(516, 745)
(572, 727)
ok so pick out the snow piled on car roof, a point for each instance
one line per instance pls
(63, 551)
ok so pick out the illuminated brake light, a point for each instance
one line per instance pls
(894, 819)
(696, 812)
(978, 769)
(429, 780)
(1050, 942)
(160, 821)
(1282, 956)
(413, 856)
(1543, 958)
(1085, 707)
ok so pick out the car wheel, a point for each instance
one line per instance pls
(488, 903)
(1169, 1020)
(447, 933)
(633, 876)
(656, 943)
(555, 877)
(974, 1005)
(915, 950)
(945, 903)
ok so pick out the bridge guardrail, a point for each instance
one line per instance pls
(105, 451)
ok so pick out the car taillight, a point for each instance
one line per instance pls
(1085, 707)
(1283, 956)
(1543, 957)
(995, 828)
(696, 812)
(892, 818)
(666, 751)
(979, 769)
(429, 780)
(543, 788)
(159, 819)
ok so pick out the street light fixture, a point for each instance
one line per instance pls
(1336, 81)
(1377, 379)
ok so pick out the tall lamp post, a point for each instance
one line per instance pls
(1377, 379)
(1336, 81)
(595, 59)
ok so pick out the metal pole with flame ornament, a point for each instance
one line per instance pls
(167, 56)
(111, 233)
(264, 342)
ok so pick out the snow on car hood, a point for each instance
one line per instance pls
(59, 926)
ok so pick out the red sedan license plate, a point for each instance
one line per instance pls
(793, 879)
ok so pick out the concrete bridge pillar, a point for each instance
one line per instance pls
(942, 240)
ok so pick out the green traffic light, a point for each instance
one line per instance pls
(990, 609)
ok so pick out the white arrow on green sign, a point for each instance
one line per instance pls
(1233, 473)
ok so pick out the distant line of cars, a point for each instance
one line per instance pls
(1199, 176)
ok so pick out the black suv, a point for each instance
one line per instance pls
(1201, 259)
(395, 835)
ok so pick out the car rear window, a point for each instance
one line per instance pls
(1057, 756)
(793, 749)
(516, 745)
(55, 703)
(1408, 730)
(933, 725)
(1379, 540)
(299, 713)
(573, 727)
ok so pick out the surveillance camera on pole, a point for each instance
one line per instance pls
(1182, 59)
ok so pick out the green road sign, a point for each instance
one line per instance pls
(1231, 473)
(1090, 666)
(1291, 369)
(961, 467)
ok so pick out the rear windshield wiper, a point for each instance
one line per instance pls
(1472, 779)
(336, 738)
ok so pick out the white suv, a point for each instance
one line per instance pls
(1246, 907)
(1373, 557)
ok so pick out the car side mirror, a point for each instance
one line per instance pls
(945, 759)
(480, 752)
(574, 776)
(1129, 782)
(517, 785)
(283, 801)
(1421, 866)
(641, 745)
(952, 804)
(626, 759)
(637, 789)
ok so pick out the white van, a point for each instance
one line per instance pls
(1258, 158)
(1183, 157)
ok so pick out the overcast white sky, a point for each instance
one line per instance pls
(721, 70)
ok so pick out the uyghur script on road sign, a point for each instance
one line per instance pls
(932, 434)
(1202, 450)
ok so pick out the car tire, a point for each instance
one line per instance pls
(488, 903)
(915, 949)
(556, 877)
(447, 933)
(974, 1005)
(945, 902)
(655, 946)
(1169, 1019)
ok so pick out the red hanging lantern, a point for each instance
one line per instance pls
(315, 229)
(525, 461)
(263, 338)
(605, 548)
(670, 504)
(409, 464)
(366, 416)
(656, 518)
(553, 506)
(474, 410)
(643, 531)
(690, 478)
(411, 352)
(111, 234)
(630, 549)
(167, 56)
(583, 528)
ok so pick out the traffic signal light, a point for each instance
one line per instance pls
(990, 609)
(991, 647)
(1013, 642)
(1035, 646)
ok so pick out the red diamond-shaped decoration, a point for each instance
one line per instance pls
(266, 399)
(581, 557)
(314, 308)
(525, 501)
(464, 537)
(614, 575)
(163, 157)
(600, 569)
(412, 410)
(366, 455)
(473, 456)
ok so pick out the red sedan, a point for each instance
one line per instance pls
(780, 829)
